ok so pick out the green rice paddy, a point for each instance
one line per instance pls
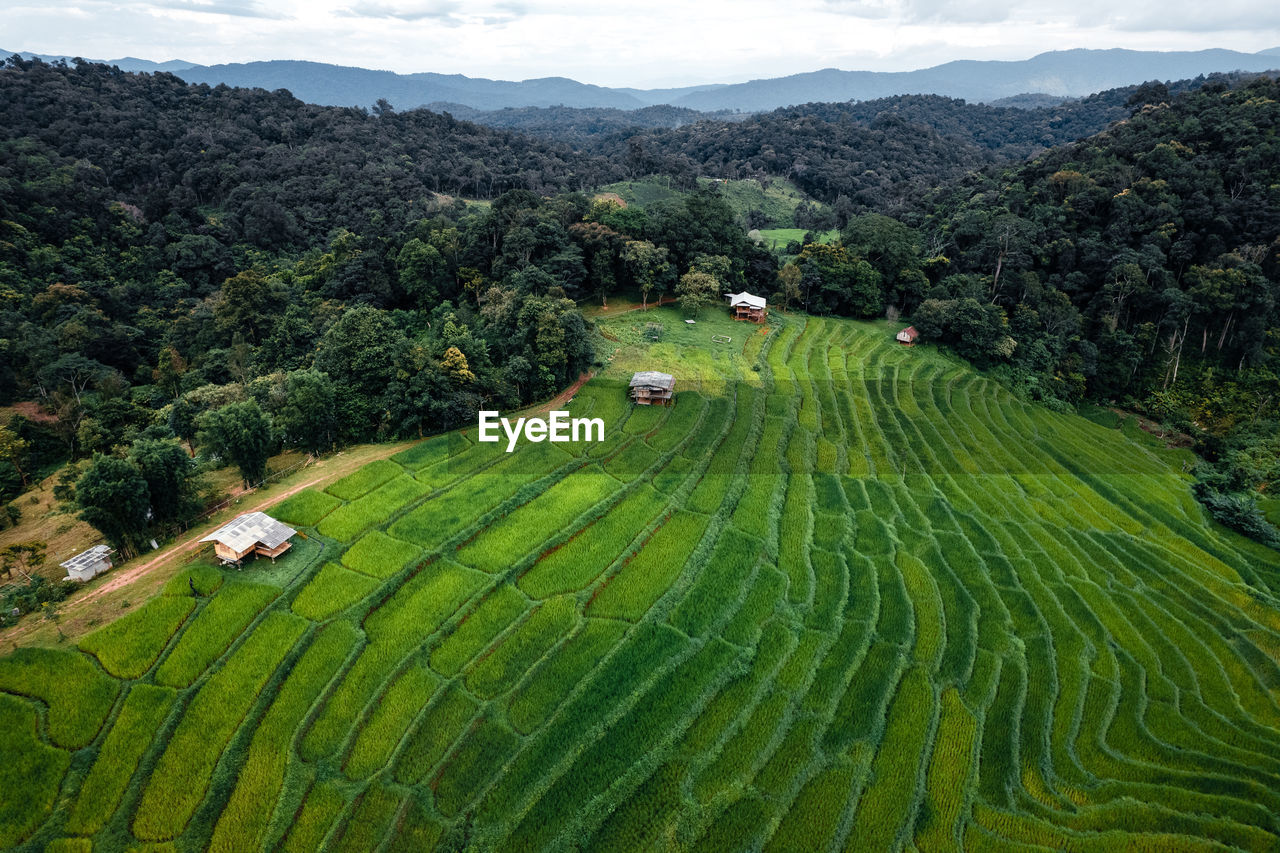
(842, 596)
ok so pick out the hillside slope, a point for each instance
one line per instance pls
(841, 594)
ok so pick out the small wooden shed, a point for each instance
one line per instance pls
(252, 533)
(88, 564)
(651, 388)
(907, 337)
(747, 307)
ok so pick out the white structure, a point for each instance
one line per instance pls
(746, 306)
(88, 564)
(253, 532)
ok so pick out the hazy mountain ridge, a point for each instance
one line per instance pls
(1062, 74)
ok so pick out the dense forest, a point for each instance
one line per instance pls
(228, 271)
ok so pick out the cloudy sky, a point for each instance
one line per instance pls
(654, 43)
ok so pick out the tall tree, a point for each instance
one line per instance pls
(114, 499)
(170, 476)
(307, 417)
(239, 433)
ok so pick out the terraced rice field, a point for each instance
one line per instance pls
(857, 598)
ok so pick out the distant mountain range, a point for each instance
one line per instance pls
(1061, 74)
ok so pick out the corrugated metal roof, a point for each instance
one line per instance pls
(252, 528)
(85, 559)
(744, 298)
(653, 379)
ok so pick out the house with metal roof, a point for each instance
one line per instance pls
(747, 307)
(252, 533)
(651, 388)
(88, 564)
(907, 337)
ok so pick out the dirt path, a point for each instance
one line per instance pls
(77, 611)
(124, 578)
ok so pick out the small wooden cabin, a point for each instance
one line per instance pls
(651, 388)
(747, 307)
(88, 564)
(907, 337)
(252, 533)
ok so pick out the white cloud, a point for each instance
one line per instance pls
(629, 43)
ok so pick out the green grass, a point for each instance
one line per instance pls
(30, 772)
(365, 480)
(145, 708)
(378, 555)
(778, 238)
(495, 614)
(350, 520)
(128, 647)
(243, 823)
(521, 649)
(633, 590)
(183, 772)
(213, 631)
(78, 695)
(306, 508)
(842, 596)
(331, 591)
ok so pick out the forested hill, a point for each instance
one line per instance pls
(881, 155)
(280, 172)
